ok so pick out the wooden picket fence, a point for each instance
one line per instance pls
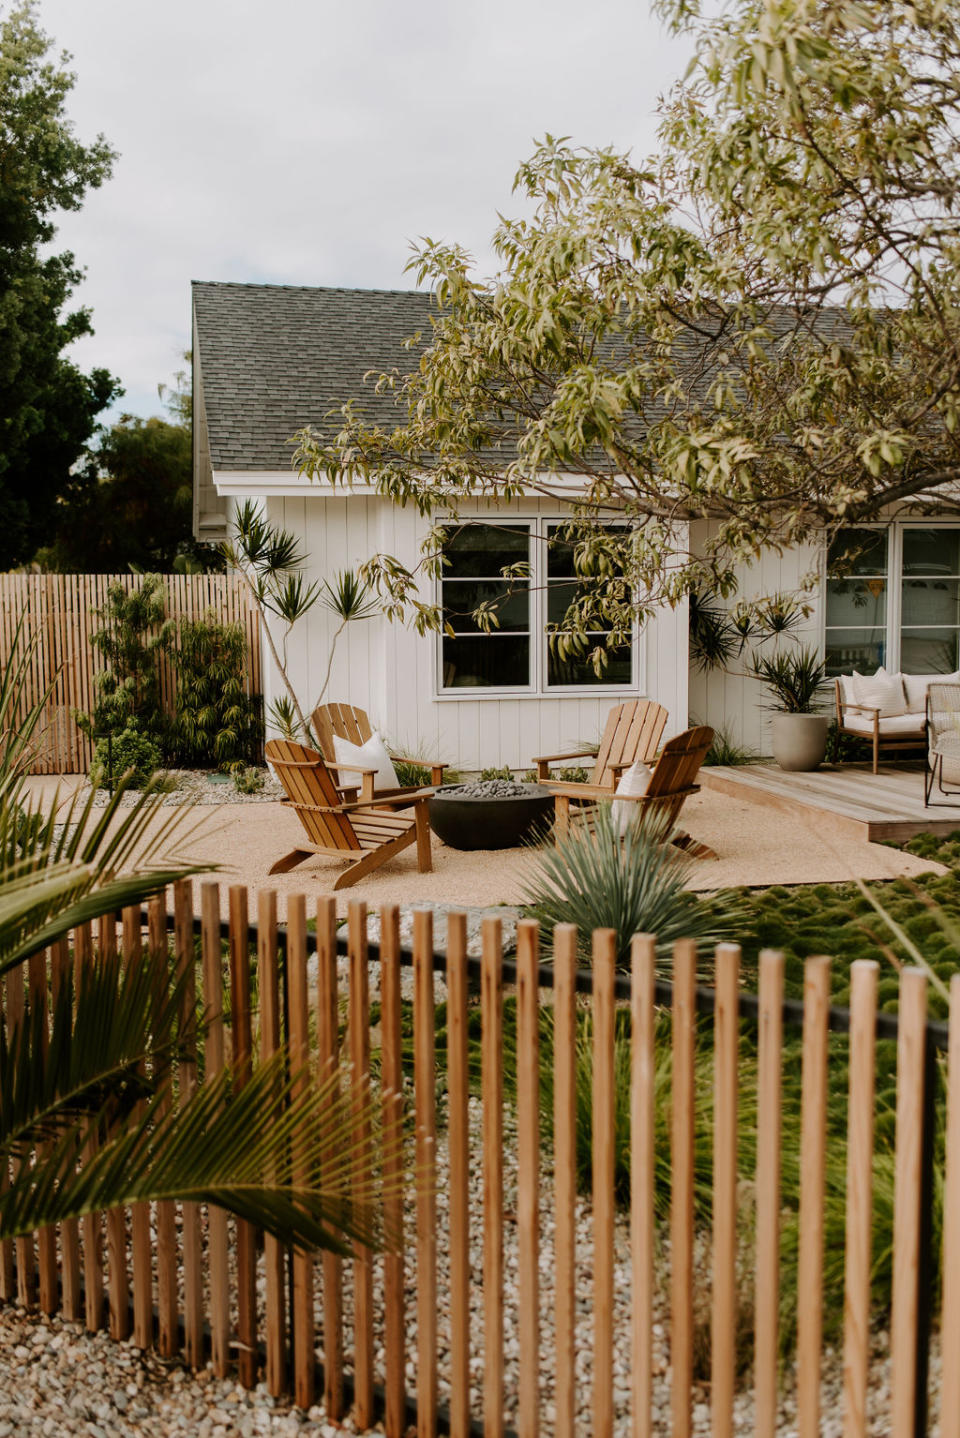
(180, 1292)
(59, 612)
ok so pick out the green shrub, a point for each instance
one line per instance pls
(134, 631)
(845, 748)
(502, 773)
(216, 722)
(597, 878)
(725, 751)
(411, 776)
(248, 779)
(576, 775)
(132, 749)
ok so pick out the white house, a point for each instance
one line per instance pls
(268, 359)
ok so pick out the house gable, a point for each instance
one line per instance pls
(269, 359)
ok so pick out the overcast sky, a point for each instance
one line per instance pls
(310, 141)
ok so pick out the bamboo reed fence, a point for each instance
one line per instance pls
(189, 1284)
(59, 612)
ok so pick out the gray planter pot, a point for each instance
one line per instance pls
(799, 740)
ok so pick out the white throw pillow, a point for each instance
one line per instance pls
(372, 755)
(916, 688)
(634, 780)
(881, 691)
(847, 681)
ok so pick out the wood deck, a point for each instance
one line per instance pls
(850, 801)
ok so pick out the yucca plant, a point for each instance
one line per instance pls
(100, 1071)
(598, 878)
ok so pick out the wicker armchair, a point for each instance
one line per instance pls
(943, 741)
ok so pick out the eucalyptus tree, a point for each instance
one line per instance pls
(757, 326)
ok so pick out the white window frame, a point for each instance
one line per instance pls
(538, 526)
(895, 530)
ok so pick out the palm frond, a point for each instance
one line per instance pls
(93, 864)
(292, 1154)
(126, 1014)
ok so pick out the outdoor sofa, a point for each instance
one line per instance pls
(888, 710)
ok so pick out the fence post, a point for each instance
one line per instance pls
(643, 954)
(723, 1329)
(813, 1137)
(859, 1218)
(491, 1002)
(528, 1176)
(166, 1211)
(681, 1190)
(603, 1119)
(241, 1035)
(926, 1264)
(767, 1278)
(358, 1020)
(268, 977)
(565, 1170)
(426, 1149)
(904, 1316)
(186, 970)
(301, 1314)
(391, 1074)
(215, 1053)
(140, 1240)
(950, 1320)
(328, 1061)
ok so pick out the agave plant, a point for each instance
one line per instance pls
(107, 1046)
(598, 878)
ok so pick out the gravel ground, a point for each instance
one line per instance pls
(756, 847)
(194, 786)
(56, 1379)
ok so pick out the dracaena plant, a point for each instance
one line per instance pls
(101, 1067)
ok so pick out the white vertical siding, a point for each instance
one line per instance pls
(734, 701)
(391, 671)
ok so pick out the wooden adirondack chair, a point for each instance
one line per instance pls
(632, 732)
(356, 830)
(347, 722)
(671, 782)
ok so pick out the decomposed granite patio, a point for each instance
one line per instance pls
(756, 846)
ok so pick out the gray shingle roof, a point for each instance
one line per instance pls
(277, 357)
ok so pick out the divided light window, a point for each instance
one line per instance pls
(473, 658)
(515, 654)
(929, 614)
(856, 628)
(563, 587)
(896, 601)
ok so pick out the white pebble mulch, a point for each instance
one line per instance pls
(56, 1379)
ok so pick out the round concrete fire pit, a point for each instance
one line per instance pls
(491, 814)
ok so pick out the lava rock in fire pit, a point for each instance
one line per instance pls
(492, 789)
